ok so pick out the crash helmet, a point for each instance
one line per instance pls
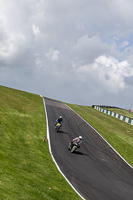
(80, 137)
(60, 117)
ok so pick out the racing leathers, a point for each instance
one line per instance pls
(76, 141)
(59, 120)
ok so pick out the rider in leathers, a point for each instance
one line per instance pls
(77, 141)
(59, 120)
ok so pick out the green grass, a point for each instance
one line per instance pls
(118, 133)
(121, 112)
(27, 171)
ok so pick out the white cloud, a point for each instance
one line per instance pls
(43, 44)
(107, 72)
(36, 30)
(53, 54)
(11, 47)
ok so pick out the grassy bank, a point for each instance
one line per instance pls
(118, 133)
(27, 171)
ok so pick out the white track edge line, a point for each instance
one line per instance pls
(102, 138)
(53, 156)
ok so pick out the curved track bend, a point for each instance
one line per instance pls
(95, 170)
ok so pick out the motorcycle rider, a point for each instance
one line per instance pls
(59, 120)
(77, 141)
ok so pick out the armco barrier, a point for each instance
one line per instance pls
(113, 114)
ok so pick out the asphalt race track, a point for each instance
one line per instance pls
(95, 170)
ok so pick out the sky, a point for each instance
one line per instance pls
(76, 51)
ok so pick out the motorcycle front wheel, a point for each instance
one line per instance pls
(73, 149)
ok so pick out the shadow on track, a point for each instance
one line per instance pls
(62, 132)
(79, 153)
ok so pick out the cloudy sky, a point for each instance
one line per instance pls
(77, 51)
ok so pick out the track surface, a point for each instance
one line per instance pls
(95, 170)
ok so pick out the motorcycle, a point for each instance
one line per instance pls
(57, 127)
(73, 146)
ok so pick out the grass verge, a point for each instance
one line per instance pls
(118, 133)
(27, 171)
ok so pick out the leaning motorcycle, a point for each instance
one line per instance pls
(73, 146)
(57, 127)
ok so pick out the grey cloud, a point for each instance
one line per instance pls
(87, 49)
(45, 44)
(129, 81)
